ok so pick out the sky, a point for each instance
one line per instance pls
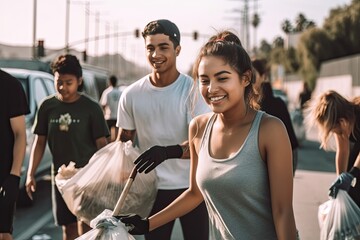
(124, 16)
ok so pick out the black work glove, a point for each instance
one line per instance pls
(9, 190)
(155, 155)
(355, 172)
(343, 182)
(136, 224)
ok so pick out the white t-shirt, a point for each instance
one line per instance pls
(110, 99)
(161, 116)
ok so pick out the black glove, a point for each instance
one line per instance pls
(138, 225)
(343, 182)
(9, 190)
(355, 172)
(155, 155)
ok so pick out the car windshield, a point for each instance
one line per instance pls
(24, 83)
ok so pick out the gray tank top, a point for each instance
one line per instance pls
(236, 190)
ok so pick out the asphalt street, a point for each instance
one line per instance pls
(314, 175)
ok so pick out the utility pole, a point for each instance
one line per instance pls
(116, 48)
(87, 17)
(255, 22)
(34, 29)
(107, 53)
(246, 25)
(97, 23)
(67, 26)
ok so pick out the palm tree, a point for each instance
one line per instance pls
(287, 27)
(310, 24)
(300, 22)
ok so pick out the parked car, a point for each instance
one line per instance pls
(95, 78)
(37, 86)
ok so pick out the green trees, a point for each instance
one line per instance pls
(314, 47)
(343, 27)
(339, 36)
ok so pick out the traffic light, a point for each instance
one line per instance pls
(84, 56)
(137, 33)
(195, 35)
(40, 48)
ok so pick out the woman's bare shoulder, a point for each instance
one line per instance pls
(199, 122)
(271, 126)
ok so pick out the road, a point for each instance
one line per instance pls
(316, 171)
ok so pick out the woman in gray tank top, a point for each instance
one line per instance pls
(240, 157)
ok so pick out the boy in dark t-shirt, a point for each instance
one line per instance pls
(74, 127)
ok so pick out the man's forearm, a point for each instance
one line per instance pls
(18, 153)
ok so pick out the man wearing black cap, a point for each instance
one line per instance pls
(158, 109)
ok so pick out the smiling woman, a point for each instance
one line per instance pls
(233, 144)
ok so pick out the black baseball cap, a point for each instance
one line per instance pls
(170, 29)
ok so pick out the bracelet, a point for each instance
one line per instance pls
(185, 148)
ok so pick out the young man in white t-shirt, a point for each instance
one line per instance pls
(158, 109)
(109, 101)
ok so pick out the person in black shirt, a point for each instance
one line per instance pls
(275, 106)
(13, 108)
(336, 116)
(305, 95)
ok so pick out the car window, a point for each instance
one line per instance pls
(24, 83)
(90, 87)
(40, 91)
(49, 85)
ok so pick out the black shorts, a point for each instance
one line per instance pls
(62, 214)
(7, 211)
(198, 218)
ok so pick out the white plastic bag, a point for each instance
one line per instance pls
(98, 185)
(118, 232)
(339, 218)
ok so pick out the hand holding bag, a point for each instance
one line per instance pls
(339, 218)
(99, 184)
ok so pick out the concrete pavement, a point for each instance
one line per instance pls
(310, 190)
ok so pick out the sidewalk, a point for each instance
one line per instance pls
(310, 190)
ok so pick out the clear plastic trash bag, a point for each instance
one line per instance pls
(339, 218)
(98, 185)
(117, 232)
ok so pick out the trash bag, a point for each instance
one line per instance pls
(98, 185)
(116, 232)
(339, 218)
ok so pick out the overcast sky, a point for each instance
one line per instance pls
(124, 16)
